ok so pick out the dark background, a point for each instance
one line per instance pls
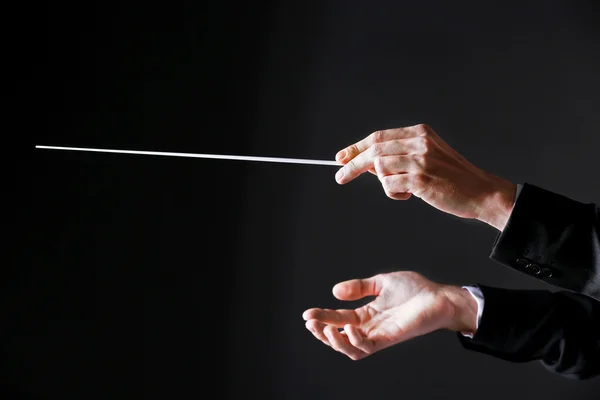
(153, 277)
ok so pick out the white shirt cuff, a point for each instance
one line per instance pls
(478, 296)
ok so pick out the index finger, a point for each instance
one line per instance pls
(337, 318)
(347, 154)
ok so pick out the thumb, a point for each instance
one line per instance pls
(355, 289)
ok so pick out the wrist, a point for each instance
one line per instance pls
(497, 204)
(463, 309)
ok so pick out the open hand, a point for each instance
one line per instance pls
(406, 305)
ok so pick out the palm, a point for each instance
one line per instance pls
(406, 305)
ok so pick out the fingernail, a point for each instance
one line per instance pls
(339, 175)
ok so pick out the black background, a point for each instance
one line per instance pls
(152, 277)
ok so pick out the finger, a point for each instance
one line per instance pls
(337, 318)
(398, 196)
(316, 328)
(366, 159)
(392, 165)
(342, 344)
(397, 164)
(347, 154)
(355, 289)
(402, 183)
(357, 340)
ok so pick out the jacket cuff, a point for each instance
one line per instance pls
(510, 319)
(547, 237)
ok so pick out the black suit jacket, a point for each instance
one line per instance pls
(557, 240)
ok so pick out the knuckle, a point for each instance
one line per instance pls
(379, 163)
(423, 129)
(380, 277)
(414, 275)
(424, 144)
(377, 149)
(351, 166)
(420, 180)
(421, 160)
(377, 136)
(385, 183)
(398, 160)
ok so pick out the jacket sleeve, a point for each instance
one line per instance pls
(562, 330)
(553, 238)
